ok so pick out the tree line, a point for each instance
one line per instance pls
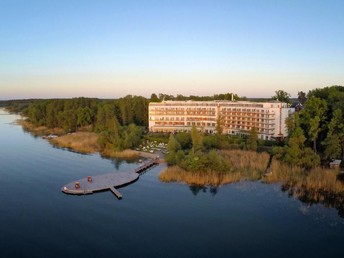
(120, 122)
(72, 114)
(316, 133)
(226, 96)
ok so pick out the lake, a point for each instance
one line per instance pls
(154, 219)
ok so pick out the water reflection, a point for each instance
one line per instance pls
(117, 163)
(309, 197)
(195, 189)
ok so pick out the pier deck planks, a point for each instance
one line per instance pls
(107, 181)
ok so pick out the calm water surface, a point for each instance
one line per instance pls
(154, 219)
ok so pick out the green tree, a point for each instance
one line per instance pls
(101, 119)
(212, 141)
(134, 136)
(332, 146)
(126, 110)
(51, 112)
(36, 113)
(184, 140)
(84, 116)
(219, 124)
(67, 120)
(334, 141)
(295, 152)
(312, 117)
(139, 107)
(281, 96)
(301, 96)
(114, 134)
(105, 116)
(252, 140)
(197, 140)
(173, 147)
(154, 98)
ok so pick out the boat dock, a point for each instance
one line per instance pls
(105, 182)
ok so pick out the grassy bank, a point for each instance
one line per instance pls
(39, 130)
(81, 141)
(87, 142)
(84, 142)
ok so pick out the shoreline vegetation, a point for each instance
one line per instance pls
(85, 142)
(244, 165)
(248, 165)
(319, 185)
(298, 161)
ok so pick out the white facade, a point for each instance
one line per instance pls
(236, 117)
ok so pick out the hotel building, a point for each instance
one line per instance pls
(236, 117)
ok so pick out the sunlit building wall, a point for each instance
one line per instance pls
(236, 117)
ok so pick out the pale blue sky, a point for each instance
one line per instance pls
(109, 49)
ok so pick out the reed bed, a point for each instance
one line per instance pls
(84, 142)
(87, 142)
(244, 165)
(250, 164)
(81, 141)
(177, 174)
(316, 185)
(283, 173)
(125, 154)
(325, 179)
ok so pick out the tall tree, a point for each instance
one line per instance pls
(295, 152)
(154, 98)
(219, 124)
(252, 139)
(312, 118)
(84, 116)
(173, 147)
(197, 140)
(281, 96)
(301, 96)
(334, 141)
(184, 139)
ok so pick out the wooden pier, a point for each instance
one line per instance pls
(105, 182)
